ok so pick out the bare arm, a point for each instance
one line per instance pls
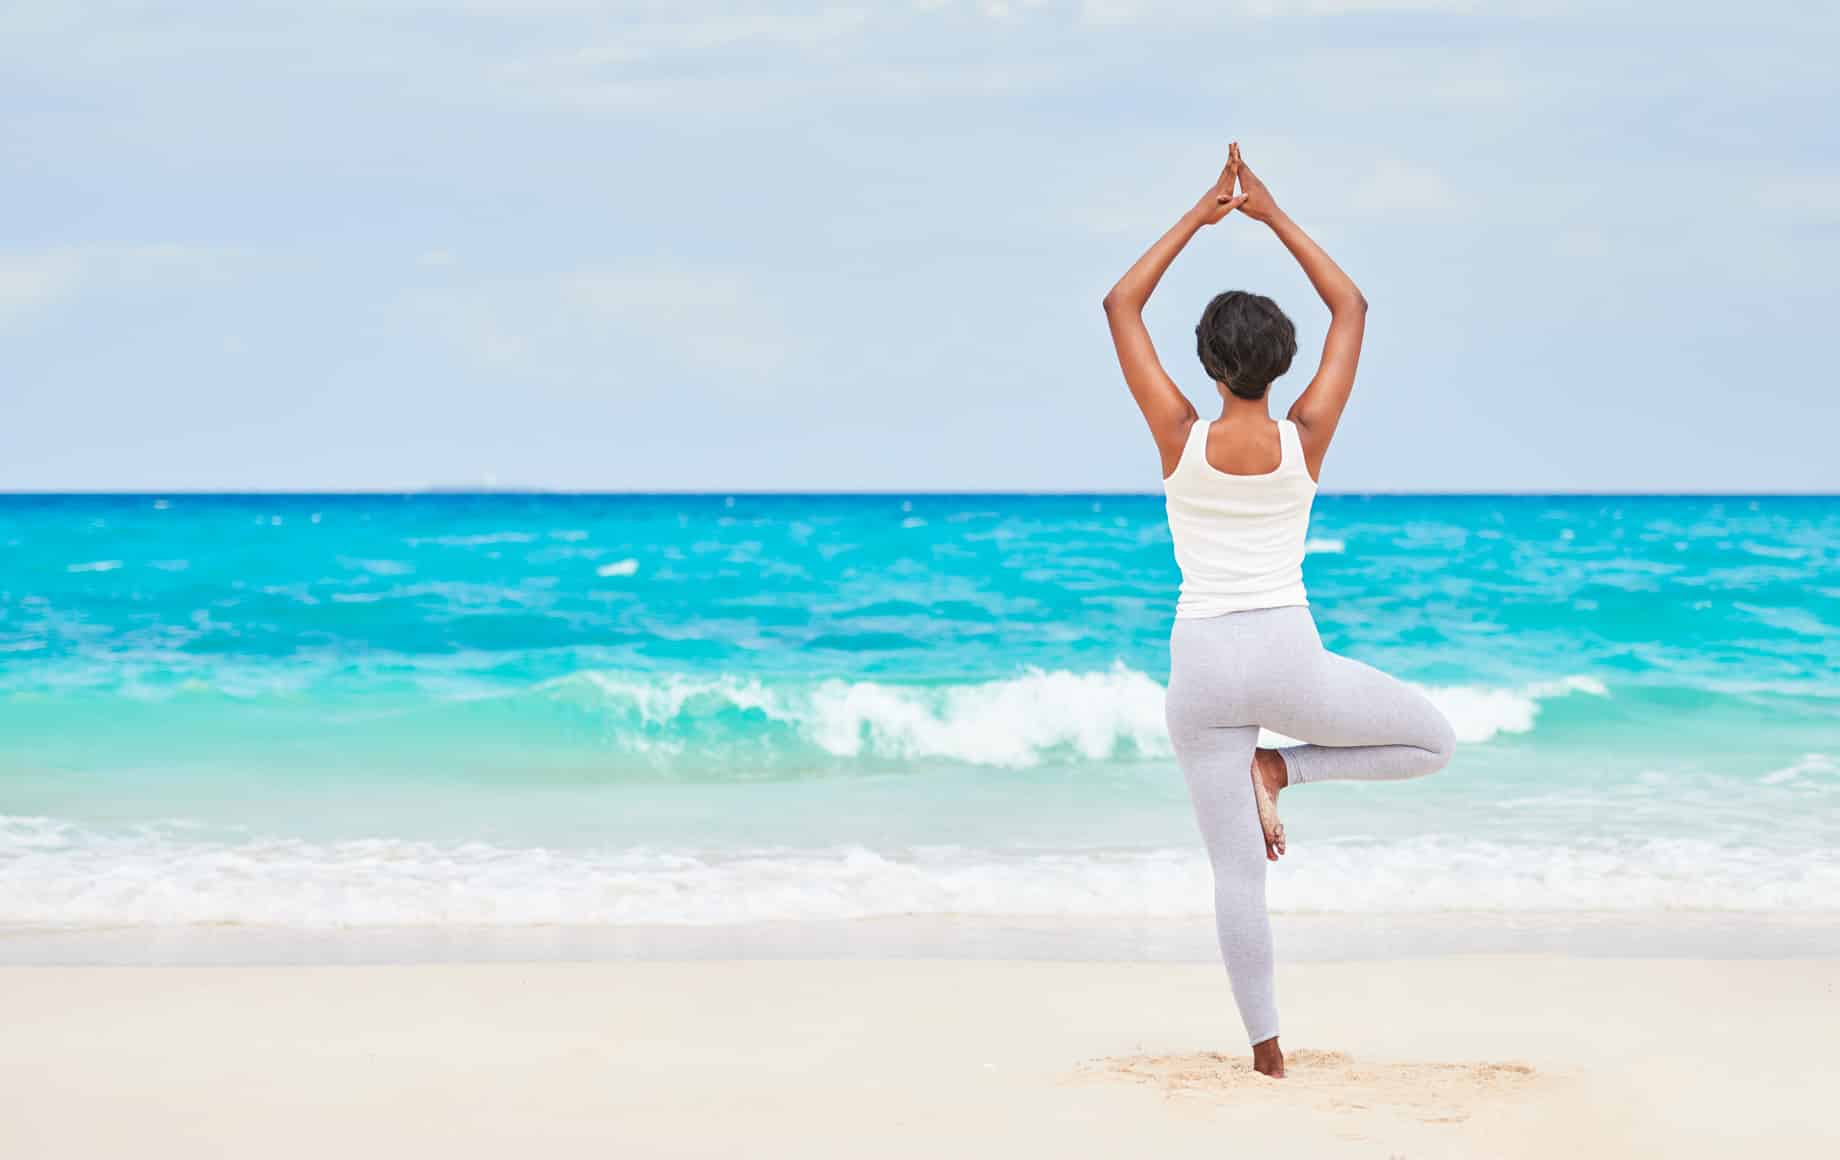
(1317, 411)
(1165, 408)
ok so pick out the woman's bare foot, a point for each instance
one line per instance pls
(1268, 777)
(1268, 1059)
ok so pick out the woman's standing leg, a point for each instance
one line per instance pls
(1214, 751)
(1214, 761)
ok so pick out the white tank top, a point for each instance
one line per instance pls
(1239, 538)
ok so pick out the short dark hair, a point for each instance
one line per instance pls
(1245, 342)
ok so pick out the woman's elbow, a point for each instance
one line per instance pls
(1118, 299)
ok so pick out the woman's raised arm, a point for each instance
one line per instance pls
(1319, 408)
(1165, 408)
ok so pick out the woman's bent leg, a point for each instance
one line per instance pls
(1360, 723)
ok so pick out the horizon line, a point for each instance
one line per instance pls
(477, 492)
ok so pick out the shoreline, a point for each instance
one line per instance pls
(1460, 1056)
(465, 491)
(1300, 938)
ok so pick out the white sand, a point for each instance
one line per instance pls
(1462, 1057)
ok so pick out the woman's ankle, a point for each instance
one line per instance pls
(1268, 1058)
(1276, 771)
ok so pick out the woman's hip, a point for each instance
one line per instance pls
(1219, 666)
(1253, 629)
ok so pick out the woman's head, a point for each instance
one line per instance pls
(1245, 342)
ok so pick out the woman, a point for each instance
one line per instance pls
(1243, 649)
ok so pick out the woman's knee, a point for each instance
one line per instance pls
(1442, 744)
(1238, 860)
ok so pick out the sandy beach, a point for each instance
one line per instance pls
(1453, 1056)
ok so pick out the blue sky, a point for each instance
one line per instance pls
(787, 246)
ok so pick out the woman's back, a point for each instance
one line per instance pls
(1239, 539)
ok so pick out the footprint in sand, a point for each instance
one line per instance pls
(1430, 1092)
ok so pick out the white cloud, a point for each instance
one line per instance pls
(655, 294)
(1341, 6)
(1582, 243)
(586, 324)
(647, 61)
(1010, 10)
(1182, 11)
(31, 283)
(1813, 197)
(1394, 187)
(711, 318)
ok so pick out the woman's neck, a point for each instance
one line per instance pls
(1236, 409)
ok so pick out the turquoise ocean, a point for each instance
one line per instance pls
(321, 713)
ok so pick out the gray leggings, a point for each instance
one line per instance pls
(1232, 673)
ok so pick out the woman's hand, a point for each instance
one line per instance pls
(1220, 200)
(1255, 201)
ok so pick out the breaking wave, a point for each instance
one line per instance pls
(1037, 717)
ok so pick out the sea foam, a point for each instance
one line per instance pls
(1479, 713)
(1819, 764)
(59, 874)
